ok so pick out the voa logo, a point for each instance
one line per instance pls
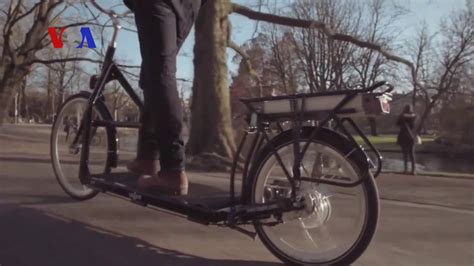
(56, 35)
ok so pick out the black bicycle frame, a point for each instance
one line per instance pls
(109, 72)
(239, 211)
(237, 214)
(299, 116)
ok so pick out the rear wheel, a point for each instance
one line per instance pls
(66, 144)
(337, 224)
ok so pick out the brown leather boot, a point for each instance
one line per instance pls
(169, 183)
(143, 167)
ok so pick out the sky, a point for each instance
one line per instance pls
(431, 11)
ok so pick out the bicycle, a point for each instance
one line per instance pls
(308, 191)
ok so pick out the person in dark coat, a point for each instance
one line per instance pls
(162, 26)
(67, 126)
(407, 137)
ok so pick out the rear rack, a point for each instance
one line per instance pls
(321, 107)
(317, 106)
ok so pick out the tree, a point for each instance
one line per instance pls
(442, 67)
(283, 62)
(116, 99)
(255, 77)
(24, 35)
(64, 73)
(211, 125)
(211, 130)
(299, 59)
(368, 65)
(326, 62)
(456, 116)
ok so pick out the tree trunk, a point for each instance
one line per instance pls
(373, 126)
(6, 99)
(211, 125)
(15, 62)
(61, 87)
(9, 85)
(23, 101)
(424, 117)
(49, 107)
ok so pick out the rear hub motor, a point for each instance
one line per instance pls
(317, 209)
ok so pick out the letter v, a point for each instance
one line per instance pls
(57, 40)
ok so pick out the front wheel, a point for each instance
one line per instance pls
(337, 224)
(66, 144)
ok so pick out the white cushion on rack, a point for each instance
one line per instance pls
(313, 104)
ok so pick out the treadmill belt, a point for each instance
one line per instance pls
(198, 195)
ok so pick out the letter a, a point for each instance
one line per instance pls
(57, 40)
(87, 35)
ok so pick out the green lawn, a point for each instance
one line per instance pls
(389, 141)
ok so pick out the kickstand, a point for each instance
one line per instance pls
(231, 223)
(246, 232)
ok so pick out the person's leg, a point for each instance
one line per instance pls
(171, 143)
(162, 116)
(151, 18)
(413, 159)
(186, 13)
(405, 159)
(147, 158)
(171, 23)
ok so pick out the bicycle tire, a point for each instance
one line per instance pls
(325, 137)
(101, 109)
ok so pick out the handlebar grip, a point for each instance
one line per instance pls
(379, 84)
(390, 88)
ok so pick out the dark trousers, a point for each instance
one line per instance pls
(409, 151)
(162, 25)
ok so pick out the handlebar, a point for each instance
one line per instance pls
(378, 85)
(115, 20)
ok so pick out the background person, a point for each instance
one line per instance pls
(407, 137)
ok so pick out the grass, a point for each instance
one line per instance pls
(445, 174)
(436, 174)
(389, 141)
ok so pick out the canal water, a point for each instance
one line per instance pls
(429, 162)
(393, 161)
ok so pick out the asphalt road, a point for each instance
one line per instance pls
(424, 221)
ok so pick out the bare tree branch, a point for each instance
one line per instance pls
(250, 68)
(14, 21)
(128, 66)
(300, 23)
(53, 61)
(184, 80)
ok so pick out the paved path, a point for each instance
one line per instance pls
(424, 221)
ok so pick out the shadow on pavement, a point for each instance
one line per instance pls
(26, 159)
(33, 237)
(35, 199)
(199, 193)
(23, 139)
(43, 159)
